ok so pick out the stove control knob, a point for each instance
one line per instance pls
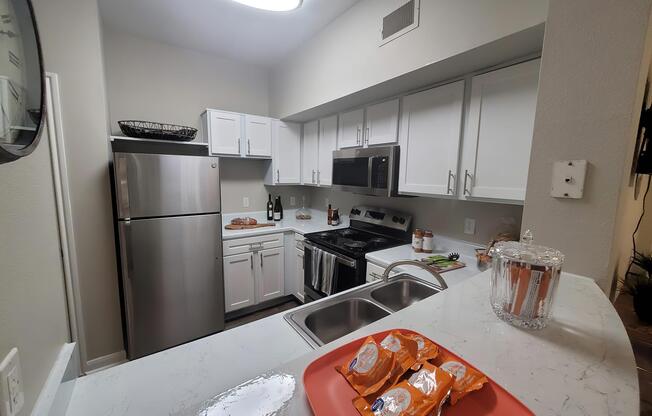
(395, 218)
(401, 220)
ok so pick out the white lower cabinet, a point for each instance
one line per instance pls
(271, 269)
(299, 275)
(239, 281)
(255, 276)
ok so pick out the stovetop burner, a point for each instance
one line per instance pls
(353, 242)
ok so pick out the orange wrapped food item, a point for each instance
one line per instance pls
(405, 350)
(426, 350)
(369, 369)
(423, 394)
(467, 379)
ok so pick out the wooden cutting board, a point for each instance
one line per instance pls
(247, 227)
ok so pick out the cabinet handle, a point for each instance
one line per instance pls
(357, 137)
(239, 147)
(449, 189)
(248, 146)
(367, 136)
(278, 176)
(313, 176)
(318, 176)
(261, 260)
(467, 175)
(252, 262)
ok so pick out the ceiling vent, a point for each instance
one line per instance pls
(400, 21)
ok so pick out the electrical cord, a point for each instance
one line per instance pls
(638, 225)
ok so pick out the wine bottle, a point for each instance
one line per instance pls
(270, 209)
(280, 206)
(277, 209)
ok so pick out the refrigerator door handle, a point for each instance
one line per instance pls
(128, 249)
(122, 183)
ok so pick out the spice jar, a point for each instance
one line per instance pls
(428, 241)
(417, 240)
(524, 281)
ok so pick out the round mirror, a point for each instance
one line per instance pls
(22, 80)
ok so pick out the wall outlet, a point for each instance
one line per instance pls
(327, 201)
(469, 226)
(245, 202)
(293, 201)
(12, 398)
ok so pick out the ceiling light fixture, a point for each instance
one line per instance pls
(272, 5)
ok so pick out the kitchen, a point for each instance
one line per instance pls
(282, 116)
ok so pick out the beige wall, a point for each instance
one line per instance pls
(589, 97)
(442, 216)
(148, 80)
(33, 314)
(345, 56)
(72, 48)
(244, 178)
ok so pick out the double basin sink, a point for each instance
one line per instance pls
(328, 320)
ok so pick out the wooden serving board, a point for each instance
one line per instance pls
(247, 227)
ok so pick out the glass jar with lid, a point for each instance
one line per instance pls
(524, 281)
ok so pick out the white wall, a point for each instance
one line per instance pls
(149, 80)
(72, 48)
(244, 178)
(590, 93)
(33, 314)
(442, 216)
(345, 58)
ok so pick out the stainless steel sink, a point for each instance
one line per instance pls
(335, 321)
(399, 294)
(327, 320)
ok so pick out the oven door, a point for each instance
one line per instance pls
(348, 272)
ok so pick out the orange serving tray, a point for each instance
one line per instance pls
(329, 393)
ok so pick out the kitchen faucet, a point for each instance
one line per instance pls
(437, 276)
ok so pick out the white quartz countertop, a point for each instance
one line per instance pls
(443, 246)
(288, 223)
(581, 364)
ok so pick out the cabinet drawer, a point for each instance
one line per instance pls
(247, 244)
(375, 272)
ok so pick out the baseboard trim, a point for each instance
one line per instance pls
(104, 362)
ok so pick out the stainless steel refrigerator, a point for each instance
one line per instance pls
(170, 237)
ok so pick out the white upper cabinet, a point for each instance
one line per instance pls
(224, 130)
(429, 137)
(498, 136)
(382, 123)
(286, 158)
(310, 153)
(258, 131)
(327, 144)
(350, 131)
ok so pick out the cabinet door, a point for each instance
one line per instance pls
(271, 276)
(258, 131)
(224, 132)
(239, 286)
(287, 153)
(350, 130)
(310, 153)
(429, 139)
(382, 123)
(327, 144)
(498, 137)
(300, 275)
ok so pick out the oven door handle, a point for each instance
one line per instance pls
(338, 257)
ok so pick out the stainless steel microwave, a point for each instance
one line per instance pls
(371, 171)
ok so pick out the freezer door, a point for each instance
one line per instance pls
(172, 281)
(152, 185)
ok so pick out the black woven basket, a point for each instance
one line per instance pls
(157, 131)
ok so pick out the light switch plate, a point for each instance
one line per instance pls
(12, 398)
(245, 202)
(568, 179)
(293, 201)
